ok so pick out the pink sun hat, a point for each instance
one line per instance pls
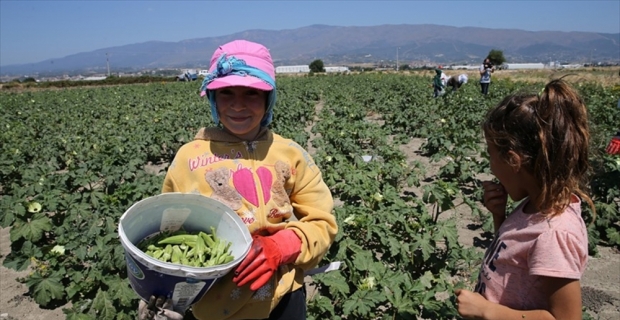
(254, 55)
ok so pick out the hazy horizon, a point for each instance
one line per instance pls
(34, 31)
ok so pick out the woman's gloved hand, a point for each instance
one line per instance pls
(266, 255)
(158, 308)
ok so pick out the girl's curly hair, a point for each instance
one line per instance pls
(550, 133)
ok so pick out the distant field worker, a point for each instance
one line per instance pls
(538, 150)
(486, 68)
(457, 81)
(438, 84)
(444, 77)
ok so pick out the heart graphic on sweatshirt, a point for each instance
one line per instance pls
(244, 182)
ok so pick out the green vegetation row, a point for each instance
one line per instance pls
(72, 161)
(31, 83)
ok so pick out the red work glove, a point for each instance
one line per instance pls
(266, 255)
(614, 145)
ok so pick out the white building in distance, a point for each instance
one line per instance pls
(336, 69)
(306, 69)
(505, 66)
(292, 69)
(522, 66)
(464, 67)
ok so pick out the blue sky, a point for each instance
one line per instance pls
(33, 31)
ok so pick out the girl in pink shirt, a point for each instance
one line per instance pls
(538, 148)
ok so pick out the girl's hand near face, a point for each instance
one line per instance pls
(495, 199)
(470, 305)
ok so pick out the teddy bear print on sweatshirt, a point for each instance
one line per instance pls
(219, 179)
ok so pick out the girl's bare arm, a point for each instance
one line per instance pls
(564, 303)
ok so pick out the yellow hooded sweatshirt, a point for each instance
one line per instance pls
(273, 184)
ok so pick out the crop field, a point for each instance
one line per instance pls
(73, 160)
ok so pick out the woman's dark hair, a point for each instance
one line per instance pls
(550, 134)
(487, 64)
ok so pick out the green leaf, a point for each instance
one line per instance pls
(394, 245)
(119, 289)
(362, 302)
(363, 261)
(71, 314)
(9, 216)
(72, 289)
(449, 232)
(336, 282)
(45, 289)
(111, 226)
(614, 236)
(426, 246)
(16, 262)
(80, 253)
(19, 258)
(32, 229)
(20, 210)
(102, 306)
(320, 304)
(95, 226)
(427, 280)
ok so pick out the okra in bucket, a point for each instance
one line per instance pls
(170, 212)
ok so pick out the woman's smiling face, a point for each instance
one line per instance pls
(241, 110)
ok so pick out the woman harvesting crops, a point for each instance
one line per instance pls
(438, 83)
(266, 179)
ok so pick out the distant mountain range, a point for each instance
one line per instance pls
(432, 44)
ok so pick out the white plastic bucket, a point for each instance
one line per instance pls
(168, 212)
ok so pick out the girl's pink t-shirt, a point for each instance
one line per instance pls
(527, 247)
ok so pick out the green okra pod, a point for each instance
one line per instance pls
(179, 239)
(197, 249)
(207, 239)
